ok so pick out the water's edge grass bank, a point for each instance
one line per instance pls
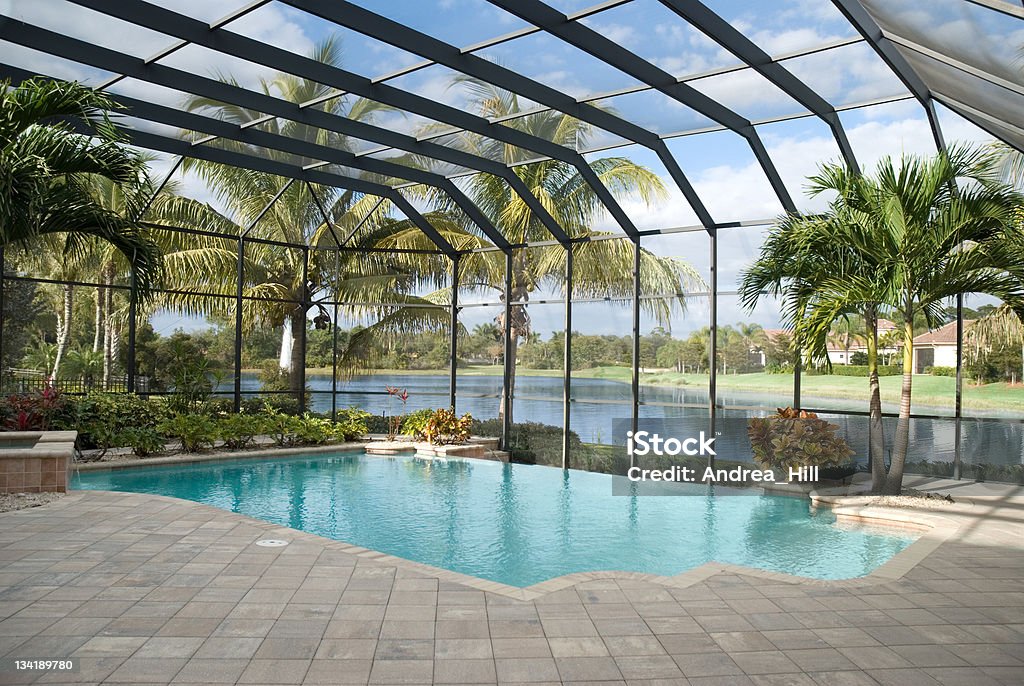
(929, 391)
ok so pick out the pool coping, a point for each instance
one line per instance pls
(192, 458)
(935, 530)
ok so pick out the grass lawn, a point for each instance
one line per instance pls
(933, 391)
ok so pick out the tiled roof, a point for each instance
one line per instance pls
(944, 335)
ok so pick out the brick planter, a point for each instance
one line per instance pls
(35, 461)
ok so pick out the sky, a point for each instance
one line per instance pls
(719, 164)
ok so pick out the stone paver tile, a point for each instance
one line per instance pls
(587, 669)
(845, 637)
(852, 678)
(578, 646)
(287, 649)
(359, 628)
(525, 670)
(110, 646)
(520, 647)
(707, 664)
(346, 649)
(929, 656)
(648, 667)
(90, 670)
(724, 622)
(143, 670)
(404, 649)
(462, 648)
(299, 628)
(622, 627)
(961, 676)
(464, 671)
(764, 662)
(742, 641)
(902, 677)
(674, 625)
(627, 646)
(795, 679)
(729, 680)
(399, 630)
(685, 644)
(169, 646)
(338, 672)
(517, 628)
(875, 657)
(275, 672)
(989, 655)
(229, 647)
(568, 627)
(410, 613)
(820, 660)
(189, 626)
(402, 672)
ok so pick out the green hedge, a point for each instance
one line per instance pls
(940, 371)
(856, 370)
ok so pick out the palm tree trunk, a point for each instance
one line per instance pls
(876, 431)
(297, 367)
(97, 336)
(63, 329)
(894, 480)
(108, 334)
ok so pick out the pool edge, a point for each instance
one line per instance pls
(936, 530)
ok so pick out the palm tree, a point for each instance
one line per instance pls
(821, 280)
(910, 237)
(602, 268)
(47, 166)
(845, 333)
(275, 273)
(1002, 326)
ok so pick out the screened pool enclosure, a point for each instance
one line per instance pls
(726, 105)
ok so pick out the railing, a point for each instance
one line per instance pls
(30, 381)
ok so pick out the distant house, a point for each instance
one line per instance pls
(936, 348)
(840, 355)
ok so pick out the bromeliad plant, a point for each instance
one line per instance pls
(796, 438)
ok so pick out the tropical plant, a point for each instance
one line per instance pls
(796, 438)
(444, 426)
(56, 138)
(1001, 327)
(280, 284)
(911, 236)
(603, 268)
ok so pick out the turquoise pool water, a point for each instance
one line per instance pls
(517, 524)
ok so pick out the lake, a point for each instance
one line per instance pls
(598, 403)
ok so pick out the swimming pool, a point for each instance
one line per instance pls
(516, 524)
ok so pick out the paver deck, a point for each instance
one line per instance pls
(152, 590)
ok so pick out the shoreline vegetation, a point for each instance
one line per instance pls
(934, 392)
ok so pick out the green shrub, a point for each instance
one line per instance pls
(195, 431)
(239, 431)
(796, 438)
(102, 419)
(855, 370)
(312, 430)
(535, 443)
(415, 423)
(144, 441)
(351, 424)
(940, 371)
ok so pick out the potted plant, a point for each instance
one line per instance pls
(796, 438)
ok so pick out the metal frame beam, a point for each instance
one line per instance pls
(38, 38)
(717, 29)
(601, 47)
(174, 146)
(166, 21)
